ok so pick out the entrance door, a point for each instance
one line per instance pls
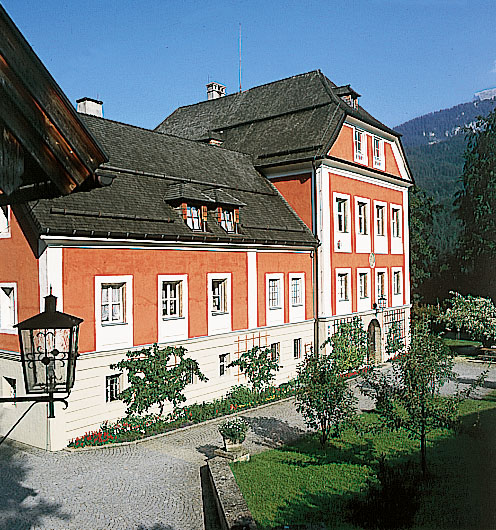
(374, 342)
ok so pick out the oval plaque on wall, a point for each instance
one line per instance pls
(372, 260)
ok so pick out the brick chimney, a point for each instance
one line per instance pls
(215, 90)
(90, 106)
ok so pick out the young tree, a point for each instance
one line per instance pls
(408, 397)
(473, 314)
(394, 343)
(157, 375)
(348, 345)
(259, 366)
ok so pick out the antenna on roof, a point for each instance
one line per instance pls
(240, 56)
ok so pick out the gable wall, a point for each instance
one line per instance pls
(297, 190)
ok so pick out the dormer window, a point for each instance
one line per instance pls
(228, 219)
(195, 216)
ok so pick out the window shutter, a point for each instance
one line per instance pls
(236, 215)
(219, 214)
(184, 208)
(204, 213)
(180, 297)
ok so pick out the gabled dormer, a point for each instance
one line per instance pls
(348, 95)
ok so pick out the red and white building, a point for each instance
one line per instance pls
(264, 218)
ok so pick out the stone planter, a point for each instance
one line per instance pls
(232, 446)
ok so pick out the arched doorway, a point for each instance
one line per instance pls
(374, 342)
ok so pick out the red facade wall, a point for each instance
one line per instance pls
(297, 190)
(18, 264)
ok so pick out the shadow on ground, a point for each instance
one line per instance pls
(272, 432)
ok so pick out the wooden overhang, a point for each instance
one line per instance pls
(45, 150)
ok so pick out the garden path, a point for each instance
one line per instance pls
(152, 485)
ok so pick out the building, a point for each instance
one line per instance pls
(265, 217)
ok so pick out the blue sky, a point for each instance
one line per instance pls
(145, 58)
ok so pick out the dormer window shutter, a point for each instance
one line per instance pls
(219, 214)
(204, 213)
(184, 208)
(236, 215)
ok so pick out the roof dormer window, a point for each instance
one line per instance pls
(195, 216)
(228, 219)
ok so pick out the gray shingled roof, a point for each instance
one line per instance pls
(290, 119)
(151, 170)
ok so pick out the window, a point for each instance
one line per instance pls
(172, 299)
(343, 286)
(378, 152)
(395, 222)
(4, 221)
(362, 218)
(7, 307)
(113, 387)
(223, 364)
(296, 297)
(275, 351)
(363, 285)
(360, 147)
(219, 296)
(381, 284)
(297, 348)
(379, 217)
(194, 217)
(274, 293)
(229, 220)
(113, 308)
(342, 214)
(397, 282)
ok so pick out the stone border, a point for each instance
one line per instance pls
(233, 511)
(172, 431)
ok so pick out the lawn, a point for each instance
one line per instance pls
(303, 483)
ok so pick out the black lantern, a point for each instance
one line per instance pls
(381, 305)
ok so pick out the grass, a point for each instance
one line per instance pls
(460, 343)
(302, 483)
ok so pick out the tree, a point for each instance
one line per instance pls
(476, 206)
(157, 375)
(259, 366)
(394, 343)
(322, 393)
(473, 314)
(348, 344)
(408, 397)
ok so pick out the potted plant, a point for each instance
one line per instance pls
(233, 431)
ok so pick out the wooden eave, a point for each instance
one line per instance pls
(40, 118)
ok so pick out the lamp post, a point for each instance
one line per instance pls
(49, 345)
(381, 305)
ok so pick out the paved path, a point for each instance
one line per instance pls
(153, 485)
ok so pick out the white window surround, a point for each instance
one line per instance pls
(396, 214)
(219, 292)
(360, 146)
(114, 335)
(343, 291)
(384, 272)
(378, 152)
(342, 239)
(362, 225)
(380, 241)
(363, 298)
(397, 286)
(173, 327)
(224, 360)
(274, 313)
(5, 215)
(194, 217)
(8, 307)
(296, 306)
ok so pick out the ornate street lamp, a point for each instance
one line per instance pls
(49, 347)
(381, 305)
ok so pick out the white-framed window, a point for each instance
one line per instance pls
(341, 218)
(224, 360)
(274, 295)
(381, 287)
(172, 299)
(228, 220)
(297, 348)
(378, 150)
(343, 282)
(219, 302)
(362, 225)
(396, 229)
(396, 282)
(275, 351)
(381, 284)
(363, 291)
(363, 285)
(297, 291)
(112, 387)
(113, 303)
(8, 307)
(380, 226)
(360, 146)
(113, 312)
(194, 217)
(343, 291)
(397, 286)
(4, 221)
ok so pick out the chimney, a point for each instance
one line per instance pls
(90, 106)
(215, 91)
